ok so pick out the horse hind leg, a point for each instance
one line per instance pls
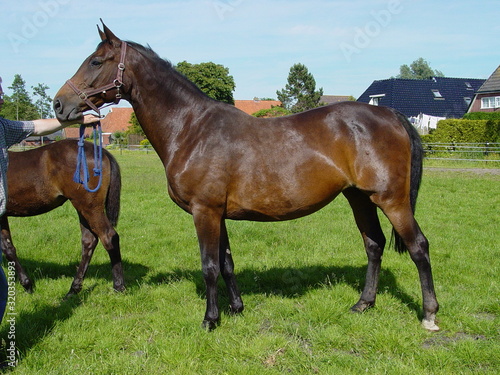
(407, 228)
(89, 242)
(110, 240)
(227, 270)
(365, 214)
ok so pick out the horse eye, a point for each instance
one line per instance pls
(95, 63)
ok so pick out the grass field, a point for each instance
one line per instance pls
(298, 280)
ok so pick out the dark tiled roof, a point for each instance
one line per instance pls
(437, 96)
(492, 84)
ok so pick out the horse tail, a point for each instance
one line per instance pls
(417, 155)
(115, 186)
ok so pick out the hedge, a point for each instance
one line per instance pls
(465, 131)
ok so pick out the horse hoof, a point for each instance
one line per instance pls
(430, 325)
(238, 309)
(362, 306)
(209, 325)
(119, 288)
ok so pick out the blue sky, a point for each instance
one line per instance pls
(346, 45)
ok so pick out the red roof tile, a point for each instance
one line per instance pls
(252, 106)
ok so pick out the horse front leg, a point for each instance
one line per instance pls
(208, 226)
(227, 268)
(10, 252)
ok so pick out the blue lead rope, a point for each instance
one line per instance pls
(81, 161)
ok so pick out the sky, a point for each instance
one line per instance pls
(346, 45)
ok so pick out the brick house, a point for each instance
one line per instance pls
(487, 98)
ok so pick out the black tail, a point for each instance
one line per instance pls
(417, 155)
(115, 187)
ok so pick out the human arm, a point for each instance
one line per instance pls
(51, 125)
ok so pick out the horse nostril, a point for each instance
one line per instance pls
(58, 108)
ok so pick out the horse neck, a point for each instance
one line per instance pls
(165, 105)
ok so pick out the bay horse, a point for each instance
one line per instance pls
(41, 179)
(221, 163)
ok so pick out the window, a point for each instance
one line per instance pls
(490, 102)
(437, 94)
(375, 99)
(469, 86)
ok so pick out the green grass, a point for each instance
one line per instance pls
(298, 279)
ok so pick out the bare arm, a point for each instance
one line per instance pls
(51, 125)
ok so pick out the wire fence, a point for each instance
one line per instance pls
(470, 152)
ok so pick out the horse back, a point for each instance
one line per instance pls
(41, 179)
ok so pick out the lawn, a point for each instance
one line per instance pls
(298, 280)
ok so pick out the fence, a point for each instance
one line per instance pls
(471, 152)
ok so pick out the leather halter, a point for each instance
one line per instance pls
(116, 84)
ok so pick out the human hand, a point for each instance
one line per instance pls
(90, 119)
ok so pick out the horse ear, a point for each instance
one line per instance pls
(101, 34)
(108, 35)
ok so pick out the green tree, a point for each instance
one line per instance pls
(19, 106)
(44, 102)
(300, 92)
(135, 127)
(213, 79)
(419, 69)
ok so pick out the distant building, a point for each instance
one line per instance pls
(437, 96)
(487, 98)
(331, 99)
(255, 105)
(117, 120)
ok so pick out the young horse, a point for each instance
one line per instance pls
(223, 164)
(41, 179)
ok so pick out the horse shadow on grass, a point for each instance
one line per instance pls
(294, 282)
(38, 270)
(26, 329)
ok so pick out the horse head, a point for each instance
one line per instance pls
(98, 81)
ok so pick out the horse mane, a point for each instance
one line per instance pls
(167, 67)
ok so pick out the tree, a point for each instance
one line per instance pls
(419, 69)
(44, 103)
(213, 79)
(18, 106)
(135, 127)
(300, 92)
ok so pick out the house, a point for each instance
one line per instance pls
(255, 105)
(117, 120)
(331, 99)
(487, 98)
(437, 96)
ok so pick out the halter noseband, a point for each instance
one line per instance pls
(116, 84)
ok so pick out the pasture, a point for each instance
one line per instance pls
(298, 280)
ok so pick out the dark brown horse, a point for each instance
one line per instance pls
(41, 179)
(223, 164)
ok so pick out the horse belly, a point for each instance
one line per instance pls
(277, 202)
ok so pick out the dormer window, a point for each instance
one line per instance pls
(375, 99)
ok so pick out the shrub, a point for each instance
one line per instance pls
(466, 131)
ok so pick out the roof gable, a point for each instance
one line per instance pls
(492, 84)
(437, 96)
